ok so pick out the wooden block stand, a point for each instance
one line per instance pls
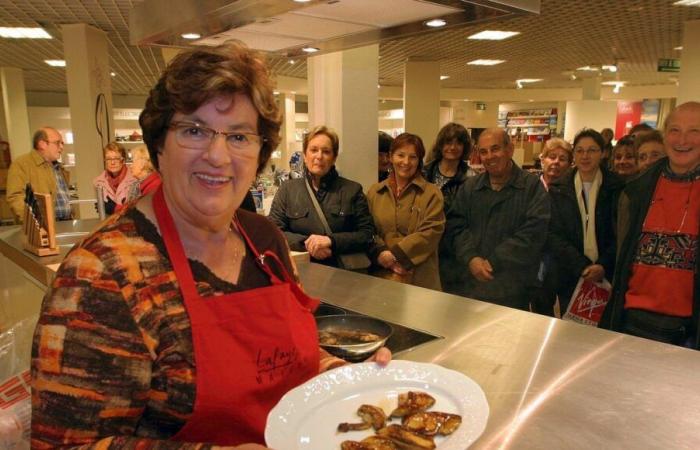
(40, 238)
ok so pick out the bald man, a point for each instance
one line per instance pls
(497, 226)
(40, 168)
(655, 290)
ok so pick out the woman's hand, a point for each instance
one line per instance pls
(381, 356)
(399, 270)
(594, 272)
(319, 246)
(386, 259)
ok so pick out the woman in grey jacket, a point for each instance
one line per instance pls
(342, 202)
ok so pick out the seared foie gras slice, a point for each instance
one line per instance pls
(412, 402)
(370, 443)
(373, 415)
(432, 422)
(406, 440)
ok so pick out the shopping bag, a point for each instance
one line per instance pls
(588, 302)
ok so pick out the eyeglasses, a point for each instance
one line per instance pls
(114, 159)
(58, 142)
(195, 136)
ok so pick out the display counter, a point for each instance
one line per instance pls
(550, 384)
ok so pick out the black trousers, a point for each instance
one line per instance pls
(659, 327)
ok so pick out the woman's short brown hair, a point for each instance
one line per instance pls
(404, 139)
(452, 132)
(196, 77)
(114, 147)
(324, 130)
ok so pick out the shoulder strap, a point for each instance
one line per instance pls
(317, 207)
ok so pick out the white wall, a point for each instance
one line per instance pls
(465, 113)
(589, 113)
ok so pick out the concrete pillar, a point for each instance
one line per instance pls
(591, 89)
(87, 75)
(688, 86)
(14, 103)
(343, 96)
(421, 96)
(288, 144)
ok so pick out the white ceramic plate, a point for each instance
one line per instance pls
(306, 418)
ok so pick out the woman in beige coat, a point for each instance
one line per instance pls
(408, 214)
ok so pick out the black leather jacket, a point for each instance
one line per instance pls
(342, 202)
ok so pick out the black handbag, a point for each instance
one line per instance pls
(357, 262)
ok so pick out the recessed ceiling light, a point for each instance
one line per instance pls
(436, 23)
(613, 83)
(310, 49)
(291, 61)
(528, 80)
(493, 35)
(486, 62)
(610, 67)
(191, 35)
(55, 62)
(530, 100)
(302, 1)
(688, 3)
(24, 33)
(680, 47)
(444, 77)
(113, 74)
(589, 68)
(465, 99)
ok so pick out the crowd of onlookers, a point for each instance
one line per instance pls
(627, 213)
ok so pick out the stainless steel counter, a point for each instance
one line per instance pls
(550, 384)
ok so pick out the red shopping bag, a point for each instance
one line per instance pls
(588, 302)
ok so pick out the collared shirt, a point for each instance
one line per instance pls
(62, 209)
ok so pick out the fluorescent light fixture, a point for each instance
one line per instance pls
(589, 68)
(486, 62)
(55, 62)
(612, 68)
(529, 80)
(493, 35)
(191, 35)
(680, 47)
(617, 85)
(24, 33)
(688, 3)
(276, 92)
(302, 1)
(444, 77)
(310, 49)
(436, 23)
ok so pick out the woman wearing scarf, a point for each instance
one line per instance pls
(584, 212)
(408, 213)
(116, 181)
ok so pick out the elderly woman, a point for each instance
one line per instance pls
(624, 158)
(343, 206)
(409, 216)
(448, 170)
(167, 328)
(556, 157)
(142, 169)
(584, 208)
(650, 148)
(116, 181)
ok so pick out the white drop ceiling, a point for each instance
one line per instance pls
(566, 35)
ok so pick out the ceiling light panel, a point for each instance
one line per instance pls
(384, 13)
(24, 33)
(485, 62)
(309, 28)
(492, 35)
(688, 3)
(55, 62)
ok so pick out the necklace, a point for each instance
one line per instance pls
(666, 214)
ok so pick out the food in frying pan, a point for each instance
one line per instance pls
(345, 337)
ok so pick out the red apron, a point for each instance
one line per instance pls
(250, 348)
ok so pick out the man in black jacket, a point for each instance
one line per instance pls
(656, 293)
(498, 224)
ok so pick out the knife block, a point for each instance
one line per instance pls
(40, 236)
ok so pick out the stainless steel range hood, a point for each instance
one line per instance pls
(284, 27)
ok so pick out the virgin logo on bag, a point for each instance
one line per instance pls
(588, 302)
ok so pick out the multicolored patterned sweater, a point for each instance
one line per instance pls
(112, 358)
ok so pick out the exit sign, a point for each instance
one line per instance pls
(669, 65)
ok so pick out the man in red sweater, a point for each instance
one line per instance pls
(656, 288)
